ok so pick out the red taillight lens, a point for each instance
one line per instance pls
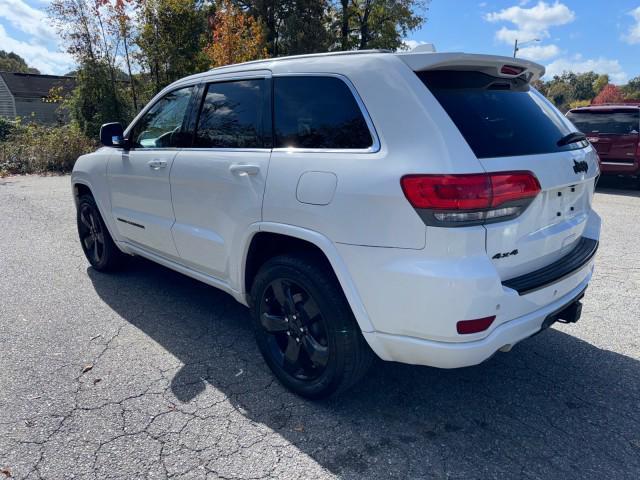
(510, 186)
(448, 192)
(468, 192)
(474, 326)
(458, 200)
(511, 70)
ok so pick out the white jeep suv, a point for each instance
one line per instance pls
(428, 208)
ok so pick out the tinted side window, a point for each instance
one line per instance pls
(161, 126)
(317, 112)
(231, 115)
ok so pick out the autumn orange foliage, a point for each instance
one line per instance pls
(237, 37)
(609, 94)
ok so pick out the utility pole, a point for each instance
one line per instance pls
(516, 46)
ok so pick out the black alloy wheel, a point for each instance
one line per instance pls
(96, 242)
(305, 328)
(296, 328)
(91, 233)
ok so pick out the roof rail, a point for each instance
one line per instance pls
(306, 55)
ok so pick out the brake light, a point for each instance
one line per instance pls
(474, 326)
(470, 199)
(511, 70)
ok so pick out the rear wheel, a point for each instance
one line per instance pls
(97, 244)
(305, 328)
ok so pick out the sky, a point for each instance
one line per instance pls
(576, 35)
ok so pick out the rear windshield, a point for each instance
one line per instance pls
(621, 122)
(499, 117)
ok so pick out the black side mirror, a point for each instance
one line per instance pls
(112, 135)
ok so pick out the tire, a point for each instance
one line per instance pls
(300, 312)
(96, 242)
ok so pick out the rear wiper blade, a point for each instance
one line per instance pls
(572, 137)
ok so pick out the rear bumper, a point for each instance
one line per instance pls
(564, 267)
(414, 298)
(463, 354)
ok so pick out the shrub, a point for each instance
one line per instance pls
(6, 127)
(36, 148)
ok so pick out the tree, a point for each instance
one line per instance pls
(561, 94)
(237, 37)
(583, 85)
(631, 90)
(12, 62)
(120, 23)
(600, 82)
(93, 101)
(171, 38)
(84, 27)
(609, 94)
(306, 28)
(383, 24)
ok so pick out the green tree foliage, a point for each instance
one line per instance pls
(600, 82)
(93, 37)
(561, 94)
(631, 90)
(291, 26)
(384, 23)
(307, 26)
(571, 90)
(171, 39)
(12, 62)
(94, 100)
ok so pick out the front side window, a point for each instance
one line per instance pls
(317, 112)
(231, 115)
(162, 125)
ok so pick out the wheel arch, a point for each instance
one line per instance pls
(79, 187)
(269, 239)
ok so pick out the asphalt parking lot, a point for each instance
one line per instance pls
(149, 374)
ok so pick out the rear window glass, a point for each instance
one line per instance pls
(499, 117)
(619, 122)
(317, 112)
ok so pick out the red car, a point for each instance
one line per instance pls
(614, 130)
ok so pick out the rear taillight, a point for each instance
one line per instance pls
(462, 200)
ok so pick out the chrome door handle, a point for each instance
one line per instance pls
(157, 164)
(240, 169)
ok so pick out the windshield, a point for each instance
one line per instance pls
(499, 117)
(620, 122)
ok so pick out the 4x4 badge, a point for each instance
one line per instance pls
(581, 166)
(498, 256)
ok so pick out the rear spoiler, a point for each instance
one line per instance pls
(493, 65)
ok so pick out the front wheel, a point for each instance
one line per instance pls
(305, 329)
(97, 244)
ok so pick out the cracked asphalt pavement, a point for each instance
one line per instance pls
(149, 374)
